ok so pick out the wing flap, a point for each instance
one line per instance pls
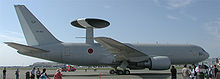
(24, 48)
(121, 51)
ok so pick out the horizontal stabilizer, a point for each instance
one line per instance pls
(24, 48)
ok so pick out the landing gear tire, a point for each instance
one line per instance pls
(120, 72)
(126, 72)
(111, 71)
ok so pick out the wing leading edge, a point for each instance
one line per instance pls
(121, 51)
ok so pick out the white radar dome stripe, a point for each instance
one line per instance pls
(83, 22)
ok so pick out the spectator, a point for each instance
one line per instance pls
(194, 70)
(4, 73)
(192, 73)
(33, 73)
(215, 70)
(201, 72)
(27, 75)
(185, 72)
(17, 74)
(197, 71)
(44, 74)
(58, 75)
(210, 71)
(207, 74)
(38, 73)
(173, 72)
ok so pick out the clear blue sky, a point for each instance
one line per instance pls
(133, 21)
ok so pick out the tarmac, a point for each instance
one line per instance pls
(100, 74)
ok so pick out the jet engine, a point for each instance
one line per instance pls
(160, 63)
(154, 63)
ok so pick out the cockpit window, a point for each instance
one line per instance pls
(201, 54)
(203, 50)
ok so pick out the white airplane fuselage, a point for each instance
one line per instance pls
(77, 53)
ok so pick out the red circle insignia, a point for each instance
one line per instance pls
(90, 51)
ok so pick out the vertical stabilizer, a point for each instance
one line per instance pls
(34, 31)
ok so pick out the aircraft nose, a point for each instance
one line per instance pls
(206, 55)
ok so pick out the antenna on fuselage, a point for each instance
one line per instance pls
(89, 24)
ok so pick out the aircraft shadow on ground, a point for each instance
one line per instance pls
(141, 75)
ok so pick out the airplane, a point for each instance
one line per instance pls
(123, 57)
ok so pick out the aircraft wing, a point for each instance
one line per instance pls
(24, 48)
(121, 51)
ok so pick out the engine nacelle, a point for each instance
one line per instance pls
(160, 63)
(155, 63)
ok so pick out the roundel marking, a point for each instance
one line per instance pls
(90, 50)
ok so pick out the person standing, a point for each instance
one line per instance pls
(173, 72)
(17, 74)
(207, 73)
(201, 74)
(197, 71)
(4, 73)
(33, 73)
(194, 70)
(38, 73)
(27, 75)
(192, 73)
(58, 75)
(185, 72)
(215, 70)
(44, 74)
(212, 72)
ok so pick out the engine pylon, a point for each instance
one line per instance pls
(89, 24)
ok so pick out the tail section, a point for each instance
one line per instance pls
(34, 31)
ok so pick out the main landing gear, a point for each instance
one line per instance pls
(123, 65)
(119, 72)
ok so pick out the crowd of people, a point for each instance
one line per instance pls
(196, 72)
(190, 72)
(38, 74)
(35, 74)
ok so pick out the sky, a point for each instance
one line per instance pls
(194, 22)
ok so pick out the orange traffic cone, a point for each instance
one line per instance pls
(99, 75)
